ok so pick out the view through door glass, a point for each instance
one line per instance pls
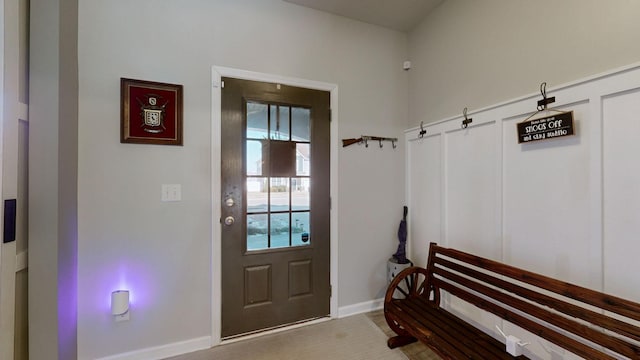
(278, 176)
(276, 205)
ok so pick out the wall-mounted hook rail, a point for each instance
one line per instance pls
(422, 130)
(542, 104)
(466, 121)
(365, 139)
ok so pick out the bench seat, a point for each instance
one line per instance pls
(445, 332)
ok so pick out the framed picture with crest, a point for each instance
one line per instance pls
(151, 112)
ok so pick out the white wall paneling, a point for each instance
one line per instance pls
(424, 171)
(567, 207)
(621, 126)
(546, 200)
(470, 184)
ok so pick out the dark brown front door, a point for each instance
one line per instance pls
(275, 209)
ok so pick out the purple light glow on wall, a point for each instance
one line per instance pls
(131, 277)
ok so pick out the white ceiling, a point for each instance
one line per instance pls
(402, 15)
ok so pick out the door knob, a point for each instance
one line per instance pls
(229, 220)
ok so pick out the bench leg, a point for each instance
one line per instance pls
(400, 340)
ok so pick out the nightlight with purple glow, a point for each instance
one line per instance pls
(120, 305)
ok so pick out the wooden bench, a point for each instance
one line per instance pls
(588, 323)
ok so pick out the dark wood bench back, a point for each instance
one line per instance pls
(533, 298)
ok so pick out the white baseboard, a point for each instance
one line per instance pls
(164, 351)
(183, 347)
(360, 308)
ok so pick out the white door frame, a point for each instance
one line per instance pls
(9, 107)
(3, 286)
(216, 270)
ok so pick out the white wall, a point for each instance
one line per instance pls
(162, 251)
(566, 207)
(476, 53)
(53, 174)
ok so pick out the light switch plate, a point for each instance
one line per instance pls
(171, 192)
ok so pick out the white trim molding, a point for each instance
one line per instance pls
(360, 308)
(217, 73)
(22, 261)
(23, 112)
(164, 351)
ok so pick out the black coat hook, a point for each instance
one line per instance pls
(466, 121)
(422, 130)
(542, 104)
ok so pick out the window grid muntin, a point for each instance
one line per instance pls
(268, 177)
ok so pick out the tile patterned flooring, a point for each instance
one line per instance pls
(415, 351)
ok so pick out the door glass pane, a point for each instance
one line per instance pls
(279, 122)
(300, 231)
(300, 123)
(257, 121)
(254, 157)
(257, 197)
(277, 162)
(280, 230)
(303, 159)
(300, 193)
(257, 232)
(279, 194)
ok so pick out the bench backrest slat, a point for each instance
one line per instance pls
(545, 332)
(481, 282)
(585, 314)
(607, 302)
(540, 313)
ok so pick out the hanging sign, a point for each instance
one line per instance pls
(549, 127)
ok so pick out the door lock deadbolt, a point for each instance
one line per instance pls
(229, 220)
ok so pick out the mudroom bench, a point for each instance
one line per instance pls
(588, 323)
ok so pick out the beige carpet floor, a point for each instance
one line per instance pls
(352, 338)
